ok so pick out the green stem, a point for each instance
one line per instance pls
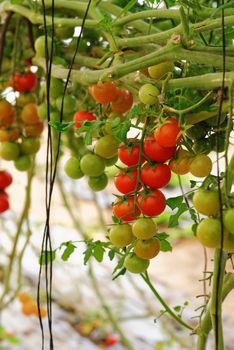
(206, 325)
(216, 298)
(164, 304)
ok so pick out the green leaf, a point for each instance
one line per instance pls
(70, 247)
(162, 235)
(193, 214)
(111, 253)
(87, 254)
(174, 202)
(194, 228)
(98, 253)
(193, 183)
(128, 7)
(120, 133)
(47, 256)
(165, 246)
(177, 308)
(174, 219)
(12, 339)
(106, 24)
(61, 127)
(120, 273)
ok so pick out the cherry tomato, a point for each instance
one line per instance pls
(123, 101)
(152, 204)
(23, 297)
(126, 209)
(200, 166)
(167, 135)
(209, 232)
(228, 242)
(23, 163)
(9, 150)
(134, 264)
(98, 183)
(25, 82)
(160, 70)
(39, 45)
(30, 145)
(69, 104)
(4, 203)
(111, 340)
(130, 155)
(144, 228)
(121, 235)
(148, 94)
(5, 179)
(155, 152)
(106, 147)
(180, 163)
(34, 130)
(155, 176)
(7, 113)
(228, 219)
(72, 168)
(147, 249)
(81, 117)
(126, 181)
(9, 134)
(29, 114)
(206, 202)
(104, 92)
(92, 165)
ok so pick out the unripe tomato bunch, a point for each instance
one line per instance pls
(20, 128)
(5, 181)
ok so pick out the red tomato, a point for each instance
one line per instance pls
(5, 179)
(104, 92)
(125, 209)
(123, 102)
(26, 82)
(81, 117)
(4, 203)
(111, 340)
(125, 182)
(156, 176)
(130, 155)
(152, 204)
(167, 134)
(155, 152)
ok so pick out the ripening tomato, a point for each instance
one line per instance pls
(126, 209)
(147, 249)
(9, 134)
(4, 203)
(200, 166)
(180, 163)
(104, 92)
(155, 176)
(24, 297)
(123, 102)
(5, 179)
(29, 114)
(152, 204)
(126, 181)
(7, 113)
(144, 228)
(121, 235)
(34, 130)
(130, 155)
(134, 264)
(155, 152)
(81, 117)
(167, 135)
(206, 202)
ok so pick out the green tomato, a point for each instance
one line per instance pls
(64, 32)
(144, 228)
(228, 243)
(69, 105)
(98, 183)
(30, 145)
(39, 45)
(23, 163)
(228, 219)
(56, 88)
(147, 249)
(121, 235)
(160, 70)
(200, 166)
(135, 264)
(106, 147)
(92, 165)
(9, 150)
(202, 146)
(111, 161)
(42, 110)
(148, 94)
(209, 232)
(54, 116)
(72, 168)
(60, 61)
(206, 202)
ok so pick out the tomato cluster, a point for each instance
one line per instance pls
(5, 181)
(20, 128)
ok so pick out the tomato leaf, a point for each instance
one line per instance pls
(194, 228)
(165, 246)
(120, 133)
(177, 308)
(174, 202)
(47, 256)
(87, 254)
(193, 214)
(162, 235)
(70, 247)
(120, 273)
(111, 253)
(174, 219)
(193, 183)
(61, 127)
(98, 253)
